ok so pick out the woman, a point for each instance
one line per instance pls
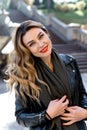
(49, 90)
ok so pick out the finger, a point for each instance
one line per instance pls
(71, 108)
(66, 115)
(56, 100)
(66, 102)
(68, 123)
(65, 119)
(63, 98)
(63, 112)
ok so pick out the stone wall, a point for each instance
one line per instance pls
(70, 32)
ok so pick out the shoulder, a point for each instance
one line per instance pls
(67, 58)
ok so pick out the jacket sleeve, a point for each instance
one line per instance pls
(25, 118)
(82, 91)
(68, 59)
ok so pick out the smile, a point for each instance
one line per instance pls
(45, 49)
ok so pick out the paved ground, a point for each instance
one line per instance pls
(7, 108)
(7, 118)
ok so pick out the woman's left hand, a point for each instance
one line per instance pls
(73, 115)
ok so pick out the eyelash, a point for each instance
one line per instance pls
(39, 38)
(31, 44)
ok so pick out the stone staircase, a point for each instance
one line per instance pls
(74, 48)
(76, 51)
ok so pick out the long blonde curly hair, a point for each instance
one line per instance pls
(20, 67)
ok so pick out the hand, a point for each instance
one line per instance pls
(57, 107)
(73, 115)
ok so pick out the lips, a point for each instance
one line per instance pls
(45, 49)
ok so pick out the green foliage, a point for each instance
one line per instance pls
(71, 12)
(73, 17)
(81, 5)
(71, 6)
(70, 16)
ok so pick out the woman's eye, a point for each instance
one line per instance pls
(31, 44)
(41, 35)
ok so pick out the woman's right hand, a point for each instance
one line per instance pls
(57, 107)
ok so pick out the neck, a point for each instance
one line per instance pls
(48, 62)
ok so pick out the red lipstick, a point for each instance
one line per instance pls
(45, 49)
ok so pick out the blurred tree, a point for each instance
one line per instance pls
(36, 2)
(29, 2)
(49, 4)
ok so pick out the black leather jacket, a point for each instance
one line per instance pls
(33, 115)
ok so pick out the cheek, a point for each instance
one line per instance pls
(33, 50)
(50, 43)
(49, 40)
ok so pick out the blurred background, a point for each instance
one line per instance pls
(66, 21)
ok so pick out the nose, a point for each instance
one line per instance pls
(40, 43)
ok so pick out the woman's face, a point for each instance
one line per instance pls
(38, 42)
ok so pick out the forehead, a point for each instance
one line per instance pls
(32, 33)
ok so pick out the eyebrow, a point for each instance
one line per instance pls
(33, 40)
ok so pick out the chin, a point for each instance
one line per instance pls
(46, 54)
